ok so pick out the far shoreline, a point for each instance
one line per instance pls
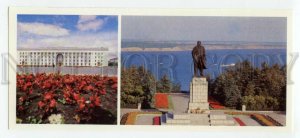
(137, 49)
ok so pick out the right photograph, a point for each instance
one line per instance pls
(203, 70)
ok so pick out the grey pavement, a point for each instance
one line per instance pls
(180, 102)
(279, 117)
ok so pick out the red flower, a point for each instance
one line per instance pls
(82, 83)
(68, 88)
(92, 105)
(67, 81)
(52, 103)
(66, 94)
(81, 100)
(68, 100)
(91, 98)
(29, 77)
(76, 96)
(81, 106)
(214, 103)
(99, 83)
(30, 91)
(41, 104)
(47, 85)
(114, 86)
(20, 108)
(24, 87)
(21, 82)
(161, 100)
(103, 92)
(28, 84)
(48, 96)
(89, 88)
(97, 101)
(115, 79)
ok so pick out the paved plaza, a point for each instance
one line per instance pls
(180, 104)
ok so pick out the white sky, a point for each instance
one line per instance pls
(155, 28)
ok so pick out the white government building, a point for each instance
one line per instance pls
(63, 57)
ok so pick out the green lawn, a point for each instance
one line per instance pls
(170, 102)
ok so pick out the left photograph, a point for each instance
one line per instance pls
(67, 69)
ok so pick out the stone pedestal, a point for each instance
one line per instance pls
(198, 95)
(198, 109)
(243, 108)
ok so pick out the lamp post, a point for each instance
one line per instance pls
(22, 67)
(59, 62)
(100, 66)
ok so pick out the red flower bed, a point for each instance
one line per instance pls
(215, 104)
(130, 118)
(262, 120)
(156, 120)
(276, 123)
(79, 97)
(161, 100)
(241, 123)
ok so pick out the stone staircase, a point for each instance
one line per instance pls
(197, 119)
(186, 119)
(198, 112)
(221, 120)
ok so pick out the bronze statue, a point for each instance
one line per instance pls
(199, 59)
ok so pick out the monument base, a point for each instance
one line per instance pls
(187, 119)
(198, 95)
(198, 112)
(204, 119)
(202, 107)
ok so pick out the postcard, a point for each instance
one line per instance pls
(149, 69)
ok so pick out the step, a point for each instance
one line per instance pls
(181, 116)
(178, 121)
(222, 122)
(200, 122)
(217, 116)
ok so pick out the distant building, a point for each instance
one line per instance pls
(63, 57)
(113, 62)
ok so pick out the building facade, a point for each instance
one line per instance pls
(70, 57)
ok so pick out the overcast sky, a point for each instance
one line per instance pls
(168, 28)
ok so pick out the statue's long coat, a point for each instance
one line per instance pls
(199, 58)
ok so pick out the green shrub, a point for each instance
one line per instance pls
(258, 88)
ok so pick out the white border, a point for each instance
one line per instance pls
(13, 11)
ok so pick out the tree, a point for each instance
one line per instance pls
(258, 88)
(164, 85)
(250, 89)
(232, 93)
(260, 102)
(176, 88)
(137, 87)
